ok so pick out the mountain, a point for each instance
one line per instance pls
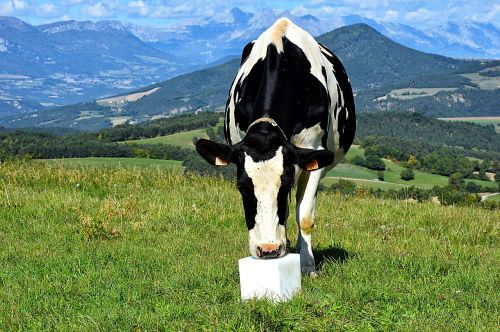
(67, 62)
(226, 33)
(221, 35)
(466, 39)
(384, 75)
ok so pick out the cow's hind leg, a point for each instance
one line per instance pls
(307, 186)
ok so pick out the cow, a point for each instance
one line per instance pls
(289, 119)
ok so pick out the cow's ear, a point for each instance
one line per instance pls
(215, 153)
(311, 160)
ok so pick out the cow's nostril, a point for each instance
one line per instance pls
(268, 251)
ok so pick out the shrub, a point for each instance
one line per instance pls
(374, 162)
(407, 174)
(471, 187)
(344, 187)
(380, 175)
(357, 160)
(456, 181)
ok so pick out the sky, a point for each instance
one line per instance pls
(162, 13)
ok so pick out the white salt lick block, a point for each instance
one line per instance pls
(275, 279)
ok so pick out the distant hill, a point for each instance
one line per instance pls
(384, 74)
(464, 39)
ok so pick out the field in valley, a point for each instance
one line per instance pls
(115, 248)
(101, 162)
(360, 175)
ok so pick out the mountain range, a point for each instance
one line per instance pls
(69, 62)
(384, 74)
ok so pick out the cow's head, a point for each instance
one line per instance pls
(266, 167)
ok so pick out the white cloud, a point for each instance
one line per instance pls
(391, 15)
(98, 10)
(139, 8)
(6, 8)
(372, 4)
(495, 10)
(421, 14)
(19, 4)
(12, 6)
(47, 10)
(179, 10)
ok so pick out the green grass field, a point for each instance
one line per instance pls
(100, 249)
(392, 178)
(183, 139)
(495, 198)
(117, 162)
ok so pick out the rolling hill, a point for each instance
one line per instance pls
(376, 65)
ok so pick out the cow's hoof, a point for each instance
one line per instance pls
(310, 272)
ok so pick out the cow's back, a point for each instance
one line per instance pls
(286, 75)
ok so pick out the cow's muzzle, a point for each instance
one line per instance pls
(269, 250)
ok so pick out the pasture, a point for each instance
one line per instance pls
(114, 248)
(182, 139)
(105, 162)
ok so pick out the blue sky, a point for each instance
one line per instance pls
(419, 13)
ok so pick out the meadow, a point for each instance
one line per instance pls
(103, 162)
(147, 249)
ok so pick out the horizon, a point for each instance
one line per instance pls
(422, 14)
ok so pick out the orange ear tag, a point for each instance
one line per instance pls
(220, 162)
(312, 165)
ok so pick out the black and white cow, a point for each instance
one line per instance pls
(289, 119)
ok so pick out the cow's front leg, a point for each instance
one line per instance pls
(307, 186)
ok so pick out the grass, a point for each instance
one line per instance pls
(392, 178)
(354, 150)
(352, 171)
(102, 162)
(148, 249)
(495, 198)
(328, 181)
(182, 139)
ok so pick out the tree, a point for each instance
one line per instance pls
(471, 187)
(407, 174)
(380, 175)
(456, 181)
(357, 160)
(374, 162)
(412, 161)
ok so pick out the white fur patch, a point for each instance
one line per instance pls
(309, 138)
(266, 178)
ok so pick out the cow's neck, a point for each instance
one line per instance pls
(268, 120)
